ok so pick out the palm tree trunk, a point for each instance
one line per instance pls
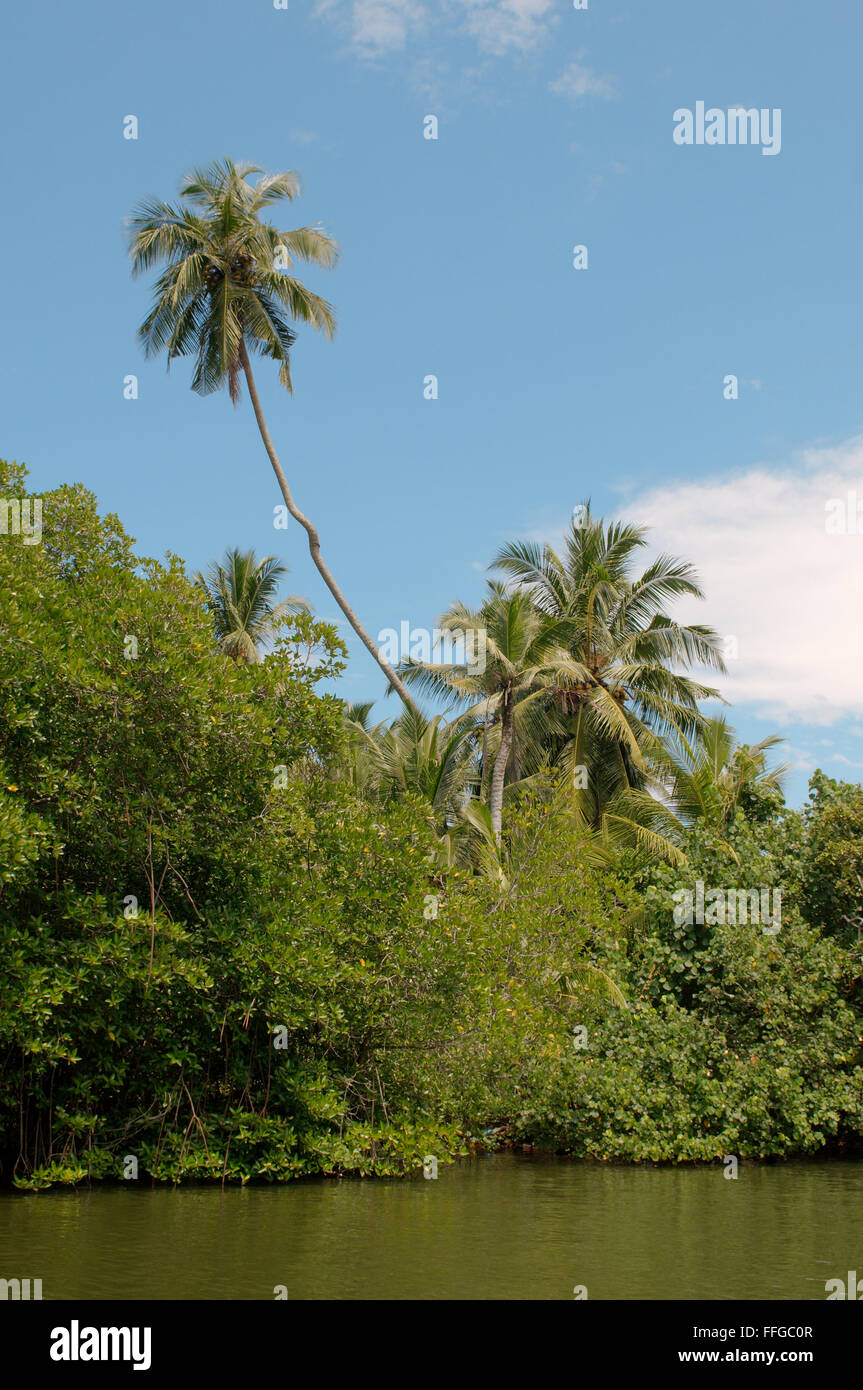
(500, 762)
(483, 780)
(314, 539)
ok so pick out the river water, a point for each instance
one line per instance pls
(504, 1226)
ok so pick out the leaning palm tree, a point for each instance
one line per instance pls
(226, 295)
(239, 592)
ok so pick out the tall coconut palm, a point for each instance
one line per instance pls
(225, 296)
(239, 590)
(526, 656)
(631, 688)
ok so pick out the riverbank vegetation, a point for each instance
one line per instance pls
(249, 934)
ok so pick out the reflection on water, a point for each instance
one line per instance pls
(504, 1226)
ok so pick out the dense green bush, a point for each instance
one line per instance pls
(831, 871)
(216, 958)
(737, 1041)
(181, 878)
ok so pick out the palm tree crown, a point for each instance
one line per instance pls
(525, 656)
(605, 725)
(622, 638)
(239, 592)
(225, 280)
(585, 670)
(713, 778)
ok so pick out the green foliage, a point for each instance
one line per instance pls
(627, 683)
(831, 871)
(235, 950)
(240, 591)
(714, 777)
(737, 1041)
(667, 1085)
(156, 771)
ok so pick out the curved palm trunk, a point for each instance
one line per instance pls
(500, 764)
(314, 539)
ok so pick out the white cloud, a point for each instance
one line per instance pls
(496, 26)
(577, 81)
(774, 578)
(501, 25)
(377, 26)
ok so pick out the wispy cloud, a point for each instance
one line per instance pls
(501, 26)
(578, 81)
(497, 27)
(376, 27)
(798, 759)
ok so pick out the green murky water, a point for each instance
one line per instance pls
(499, 1227)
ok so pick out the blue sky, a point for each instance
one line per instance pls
(555, 129)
